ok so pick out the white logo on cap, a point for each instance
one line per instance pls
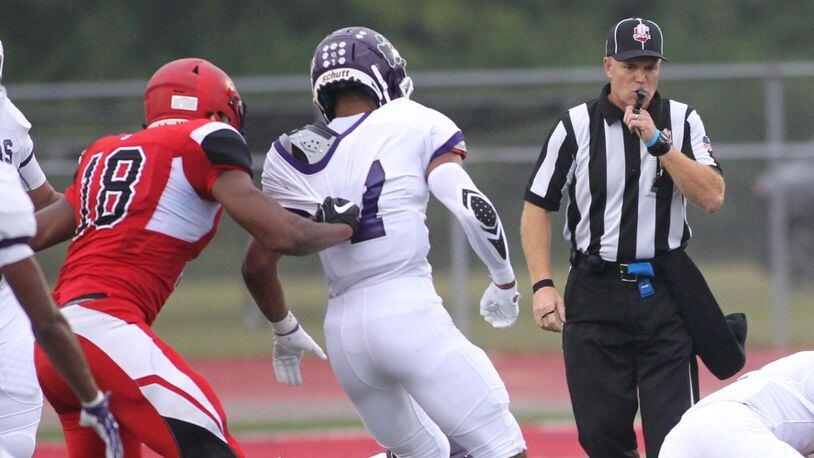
(641, 33)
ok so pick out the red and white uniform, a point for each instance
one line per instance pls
(143, 208)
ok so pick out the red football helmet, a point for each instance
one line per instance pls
(193, 88)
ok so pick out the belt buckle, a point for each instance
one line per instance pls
(626, 277)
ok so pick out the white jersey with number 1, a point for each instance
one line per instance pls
(392, 345)
(379, 161)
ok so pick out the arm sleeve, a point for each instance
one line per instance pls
(554, 169)
(700, 144)
(451, 185)
(30, 170)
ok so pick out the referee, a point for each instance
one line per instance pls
(629, 160)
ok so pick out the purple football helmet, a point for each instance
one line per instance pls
(357, 57)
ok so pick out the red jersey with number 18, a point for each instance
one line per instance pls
(144, 208)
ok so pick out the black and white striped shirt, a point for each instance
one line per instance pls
(609, 176)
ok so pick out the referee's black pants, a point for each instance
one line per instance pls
(622, 351)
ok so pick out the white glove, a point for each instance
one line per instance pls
(96, 414)
(290, 343)
(499, 307)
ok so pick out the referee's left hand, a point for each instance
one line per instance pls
(548, 309)
(640, 124)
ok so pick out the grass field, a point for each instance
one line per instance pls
(206, 318)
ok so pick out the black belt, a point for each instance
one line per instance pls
(84, 298)
(595, 264)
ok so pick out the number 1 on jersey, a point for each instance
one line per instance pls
(370, 225)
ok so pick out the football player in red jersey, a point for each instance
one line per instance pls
(141, 206)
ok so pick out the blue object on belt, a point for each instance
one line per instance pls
(644, 270)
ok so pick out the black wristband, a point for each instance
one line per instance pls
(661, 147)
(542, 284)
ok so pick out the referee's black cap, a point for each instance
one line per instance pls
(635, 37)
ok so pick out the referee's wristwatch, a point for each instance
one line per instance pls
(659, 145)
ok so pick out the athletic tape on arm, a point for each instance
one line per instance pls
(451, 185)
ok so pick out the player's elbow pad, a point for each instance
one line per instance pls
(451, 185)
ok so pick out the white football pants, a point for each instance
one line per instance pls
(413, 378)
(20, 394)
(724, 429)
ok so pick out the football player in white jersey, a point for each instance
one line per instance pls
(20, 395)
(765, 413)
(17, 226)
(412, 376)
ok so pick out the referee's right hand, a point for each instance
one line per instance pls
(548, 309)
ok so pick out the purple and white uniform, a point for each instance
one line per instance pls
(20, 395)
(411, 375)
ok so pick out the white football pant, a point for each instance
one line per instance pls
(20, 394)
(724, 429)
(413, 378)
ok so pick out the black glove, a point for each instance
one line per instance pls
(338, 210)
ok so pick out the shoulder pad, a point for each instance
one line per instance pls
(13, 116)
(310, 143)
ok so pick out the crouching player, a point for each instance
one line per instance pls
(765, 413)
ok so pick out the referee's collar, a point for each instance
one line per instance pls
(612, 113)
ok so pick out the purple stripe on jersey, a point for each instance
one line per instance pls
(448, 145)
(5, 243)
(310, 169)
(27, 160)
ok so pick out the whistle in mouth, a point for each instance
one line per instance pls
(640, 95)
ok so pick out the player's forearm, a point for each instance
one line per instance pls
(276, 228)
(453, 187)
(535, 235)
(260, 275)
(700, 183)
(50, 328)
(309, 237)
